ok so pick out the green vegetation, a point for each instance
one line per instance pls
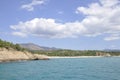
(9, 45)
(60, 52)
(64, 52)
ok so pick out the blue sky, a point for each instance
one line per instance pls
(69, 24)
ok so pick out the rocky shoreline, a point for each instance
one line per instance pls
(13, 55)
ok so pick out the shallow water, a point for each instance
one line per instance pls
(62, 69)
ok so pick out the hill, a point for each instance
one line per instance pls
(13, 52)
(32, 46)
(9, 45)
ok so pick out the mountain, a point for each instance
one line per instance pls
(32, 46)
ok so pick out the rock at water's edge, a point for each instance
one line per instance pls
(13, 55)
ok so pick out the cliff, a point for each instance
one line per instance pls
(13, 55)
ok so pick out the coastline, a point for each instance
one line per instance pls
(55, 57)
(7, 55)
(52, 57)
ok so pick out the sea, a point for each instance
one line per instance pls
(104, 68)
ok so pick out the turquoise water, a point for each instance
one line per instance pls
(62, 69)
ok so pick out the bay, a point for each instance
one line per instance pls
(62, 69)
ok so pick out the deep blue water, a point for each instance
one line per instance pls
(62, 69)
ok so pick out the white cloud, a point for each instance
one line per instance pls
(109, 3)
(114, 46)
(19, 34)
(48, 28)
(112, 37)
(30, 6)
(100, 18)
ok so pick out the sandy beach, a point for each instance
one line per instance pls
(50, 57)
